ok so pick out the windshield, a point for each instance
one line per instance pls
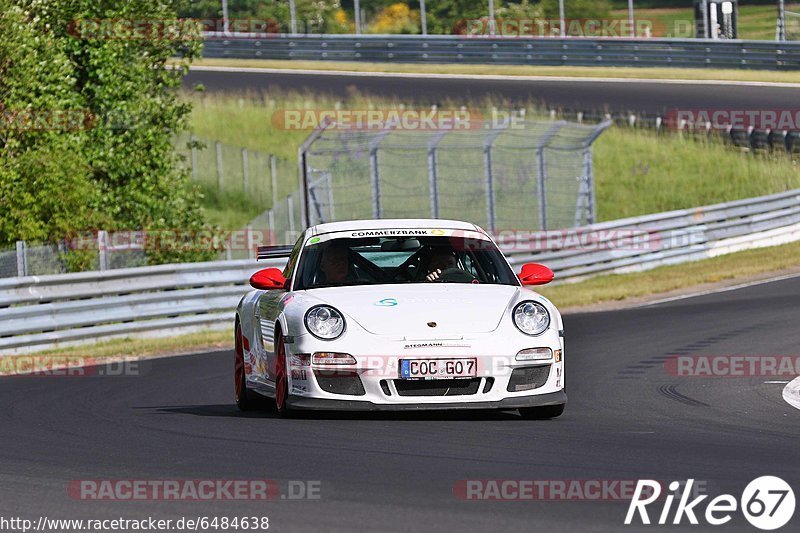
(400, 259)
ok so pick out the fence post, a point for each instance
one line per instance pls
(219, 165)
(433, 173)
(487, 164)
(376, 184)
(273, 239)
(590, 200)
(290, 206)
(433, 184)
(193, 140)
(244, 170)
(102, 249)
(541, 169)
(250, 248)
(273, 172)
(22, 259)
(331, 211)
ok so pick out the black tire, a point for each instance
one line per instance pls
(244, 398)
(542, 413)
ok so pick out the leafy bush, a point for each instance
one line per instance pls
(116, 167)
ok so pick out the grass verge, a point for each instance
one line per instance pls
(145, 347)
(516, 70)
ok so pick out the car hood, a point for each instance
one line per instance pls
(405, 311)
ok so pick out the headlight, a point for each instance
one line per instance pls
(531, 318)
(324, 322)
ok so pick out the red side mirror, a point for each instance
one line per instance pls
(268, 279)
(535, 274)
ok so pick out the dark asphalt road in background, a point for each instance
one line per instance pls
(627, 418)
(623, 96)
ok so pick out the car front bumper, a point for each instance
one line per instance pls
(535, 400)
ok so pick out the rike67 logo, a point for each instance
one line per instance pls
(767, 503)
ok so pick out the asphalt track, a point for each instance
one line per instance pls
(627, 419)
(615, 96)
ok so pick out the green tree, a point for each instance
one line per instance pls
(119, 171)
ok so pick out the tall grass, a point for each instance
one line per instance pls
(639, 172)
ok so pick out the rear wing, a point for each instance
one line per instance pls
(280, 251)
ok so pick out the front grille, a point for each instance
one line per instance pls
(437, 387)
(528, 378)
(340, 382)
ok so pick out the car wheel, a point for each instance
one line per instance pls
(541, 413)
(243, 398)
(281, 378)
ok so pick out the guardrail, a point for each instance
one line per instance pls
(39, 312)
(42, 311)
(684, 53)
(641, 243)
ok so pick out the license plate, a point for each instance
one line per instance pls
(438, 368)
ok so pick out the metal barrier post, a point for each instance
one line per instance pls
(102, 249)
(22, 259)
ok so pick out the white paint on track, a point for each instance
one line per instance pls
(491, 77)
(792, 393)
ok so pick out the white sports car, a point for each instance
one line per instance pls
(399, 314)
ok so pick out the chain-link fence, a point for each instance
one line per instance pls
(233, 170)
(99, 251)
(33, 259)
(792, 28)
(529, 174)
